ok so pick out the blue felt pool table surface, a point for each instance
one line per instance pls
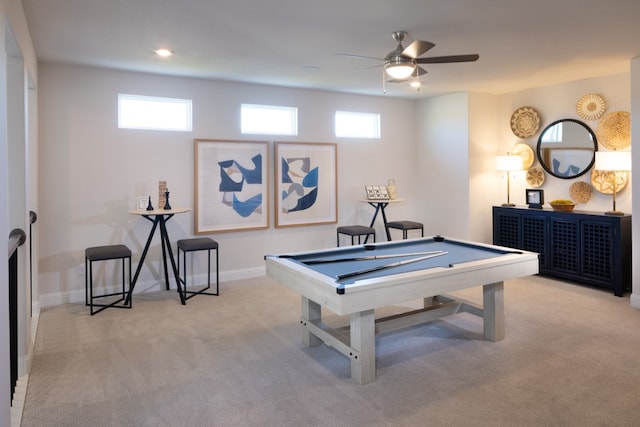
(454, 252)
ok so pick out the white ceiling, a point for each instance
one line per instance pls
(522, 44)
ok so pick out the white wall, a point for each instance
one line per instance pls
(91, 172)
(443, 168)
(17, 62)
(635, 153)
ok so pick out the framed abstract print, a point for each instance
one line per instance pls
(230, 185)
(305, 184)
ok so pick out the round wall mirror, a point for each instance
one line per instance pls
(566, 148)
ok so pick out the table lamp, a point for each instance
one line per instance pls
(614, 163)
(509, 163)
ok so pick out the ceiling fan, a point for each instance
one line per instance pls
(403, 63)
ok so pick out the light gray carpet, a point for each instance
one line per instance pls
(571, 358)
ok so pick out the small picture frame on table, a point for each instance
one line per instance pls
(534, 197)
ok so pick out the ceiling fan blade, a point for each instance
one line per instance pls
(446, 59)
(417, 48)
(349, 55)
(421, 71)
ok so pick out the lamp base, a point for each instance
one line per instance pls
(509, 204)
(618, 213)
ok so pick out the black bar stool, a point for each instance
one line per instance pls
(355, 230)
(193, 245)
(104, 253)
(405, 226)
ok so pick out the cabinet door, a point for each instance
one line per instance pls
(534, 232)
(506, 228)
(597, 251)
(564, 245)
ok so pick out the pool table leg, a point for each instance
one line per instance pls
(363, 340)
(311, 311)
(493, 306)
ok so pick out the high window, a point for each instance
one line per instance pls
(357, 125)
(149, 112)
(268, 119)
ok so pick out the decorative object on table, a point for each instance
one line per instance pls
(580, 192)
(306, 184)
(525, 122)
(508, 164)
(535, 198)
(377, 192)
(167, 206)
(614, 130)
(162, 188)
(591, 106)
(526, 152)
(562, 205)
(614, 163)
(392, 189)
(231, 185)
(535, 176)
(149, 205)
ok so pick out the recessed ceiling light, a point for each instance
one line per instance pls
(164, 52)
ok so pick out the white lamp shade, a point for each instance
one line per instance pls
(613, 160)
(509, 163)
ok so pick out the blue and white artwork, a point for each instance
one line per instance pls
(299, 184)
(231, 185)
(306, 183)
(235, 185)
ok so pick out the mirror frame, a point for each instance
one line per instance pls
(593, 158)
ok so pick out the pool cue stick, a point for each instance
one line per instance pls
(362, 258)
(386, 266)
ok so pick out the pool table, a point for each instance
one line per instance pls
(355, 280)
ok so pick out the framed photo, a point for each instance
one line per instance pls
(231, 185)
(305, 184)
(535, 198)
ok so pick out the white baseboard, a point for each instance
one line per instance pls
(77, 295)
(635, 300)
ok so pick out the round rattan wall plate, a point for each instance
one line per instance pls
(580, 192)
(525, 122)
(614, 130)
(535, 177)
(591, 106)
(526, 152)
(602, 182)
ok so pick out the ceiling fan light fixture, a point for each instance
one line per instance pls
(399, 67)
(164, 53)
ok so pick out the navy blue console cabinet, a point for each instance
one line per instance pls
(586, 247)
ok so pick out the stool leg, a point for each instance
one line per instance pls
(91, 288)
(123, 262)
(129, 303)
(86, 282)
(217, 273)
(208, 268)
